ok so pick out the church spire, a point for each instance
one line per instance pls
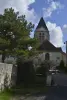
(42, 24)
(41, 31)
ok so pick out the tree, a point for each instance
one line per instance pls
(61, 66)
(14, 33)
(3, 46)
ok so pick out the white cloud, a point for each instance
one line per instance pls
(49, 1)
(32, 33)
(56, 34)
(19, 5)
(65, 28)
(64, 48)
(53, 6)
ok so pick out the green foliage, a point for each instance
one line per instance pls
(61, 66)
(4, 43)
(62, 63)
(14, 33)
(5, 95)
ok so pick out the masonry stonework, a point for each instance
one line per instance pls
(8, 73)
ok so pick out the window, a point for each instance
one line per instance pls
(39, 34)
(47, 56)
(39, 37)
(42, 34)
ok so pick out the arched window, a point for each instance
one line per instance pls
(39, 35)
(47, 56)
(43, 34)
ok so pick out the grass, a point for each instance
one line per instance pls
(30, 90)
(5, 95)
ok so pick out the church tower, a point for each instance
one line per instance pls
(41, 31)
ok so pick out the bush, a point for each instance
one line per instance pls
(61, 66)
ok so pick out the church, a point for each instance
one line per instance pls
(49, 51)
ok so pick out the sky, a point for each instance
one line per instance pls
(54, 13)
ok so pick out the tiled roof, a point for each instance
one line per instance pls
(42, 24)
(47, 46)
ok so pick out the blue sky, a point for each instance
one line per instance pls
(54, 13)
(58, 16)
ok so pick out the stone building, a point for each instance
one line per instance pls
(50, 52)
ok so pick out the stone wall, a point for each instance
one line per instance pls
(42, 32)
(64, 58)
(55, 58)
(8, 59)
(7, 73)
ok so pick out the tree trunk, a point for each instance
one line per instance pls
(3, 56)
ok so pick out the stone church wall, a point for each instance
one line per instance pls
(43, 33)
(55, 58)
(64, 58)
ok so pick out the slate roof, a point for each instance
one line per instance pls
(47, 46)
(42, 24)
